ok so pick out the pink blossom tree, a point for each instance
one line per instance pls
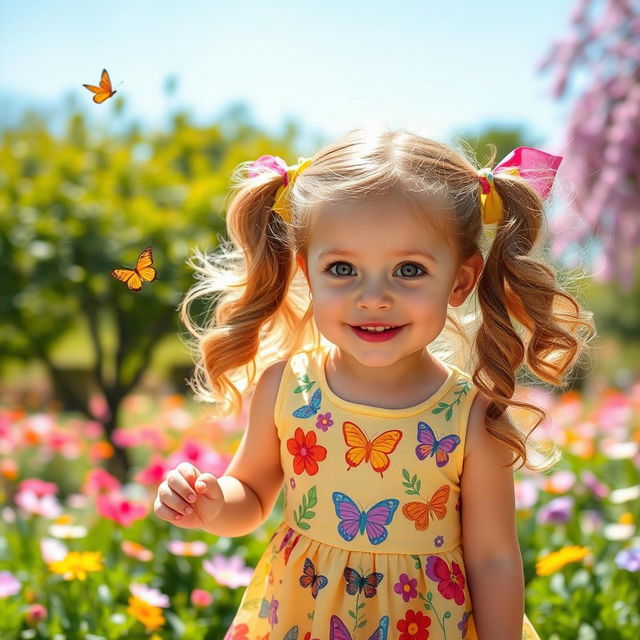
(602, 147)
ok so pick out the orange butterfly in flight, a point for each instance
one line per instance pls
(104, 91)
(143, 271)
(436, 507)
(375, 451)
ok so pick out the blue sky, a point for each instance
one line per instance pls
(434, 67)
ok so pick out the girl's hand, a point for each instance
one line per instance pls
(181, 491)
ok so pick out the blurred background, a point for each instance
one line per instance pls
(94, 404)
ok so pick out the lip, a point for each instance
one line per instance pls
(372, 336)
(376, 324)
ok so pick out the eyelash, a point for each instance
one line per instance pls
(335, 262)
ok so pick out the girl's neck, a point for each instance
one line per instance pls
(406, 383)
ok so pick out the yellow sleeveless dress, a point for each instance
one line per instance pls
(370, 543)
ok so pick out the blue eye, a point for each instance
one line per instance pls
(330, 266)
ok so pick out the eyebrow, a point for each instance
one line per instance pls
(345, 252)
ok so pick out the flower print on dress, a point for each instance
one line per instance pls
(324, 421)
(414, 626)
(430, 446)
(237, 632)
(306, 452)
(406, 587)
(463, 625)
(450, 581)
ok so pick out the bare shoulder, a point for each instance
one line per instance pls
(487, 493)
(272, 375)
(266, 390)
(479, 442)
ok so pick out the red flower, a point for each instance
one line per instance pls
(306, 453)
(450, 581)
(237, 632)
(414, 626)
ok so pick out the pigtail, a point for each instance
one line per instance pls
(551, 330)
(259, 312)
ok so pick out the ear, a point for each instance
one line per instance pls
(468, 274)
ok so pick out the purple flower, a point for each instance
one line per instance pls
(556, 511)
(292, 482)
(438, 541)
(594, 485)
(464, 623)
(324, 421)
(629, 559)
(406, 587)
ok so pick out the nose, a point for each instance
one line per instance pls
(373, 295)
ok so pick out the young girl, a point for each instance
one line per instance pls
(397, 464)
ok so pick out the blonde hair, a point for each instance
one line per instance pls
(260, 309)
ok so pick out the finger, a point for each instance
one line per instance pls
(166, 513)
(174, 500)
(188, 471)
(178, 483)
(207, 486)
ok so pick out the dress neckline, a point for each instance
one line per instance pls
(384, 412)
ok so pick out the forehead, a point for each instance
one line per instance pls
(386, 226)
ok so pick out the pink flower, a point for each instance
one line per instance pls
(229, 572)
(153, 474)
(39, 487)
(201, 598)
(9, 584)
(36, 613)
(46, 506)
(450, 580)
(98, 480)
(203, 458)
(191, 549)
(324, 421)
(406, 587)
(120, 509)
(149, 595)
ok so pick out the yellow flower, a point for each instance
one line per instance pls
(626, 518)
(552, 562)
(150, 616)
(76, 564)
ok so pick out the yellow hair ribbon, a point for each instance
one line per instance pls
(281, 204)
(490, 201)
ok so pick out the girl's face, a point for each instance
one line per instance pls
(367, 264)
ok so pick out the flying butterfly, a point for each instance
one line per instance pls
(104, 91)
(419, 512)
(143, 271)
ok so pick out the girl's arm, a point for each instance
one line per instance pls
(252, 482)
(489, 535)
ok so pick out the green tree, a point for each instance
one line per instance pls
(76, 206)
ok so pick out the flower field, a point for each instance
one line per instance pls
(83, 556)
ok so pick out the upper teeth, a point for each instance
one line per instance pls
(375, 328)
